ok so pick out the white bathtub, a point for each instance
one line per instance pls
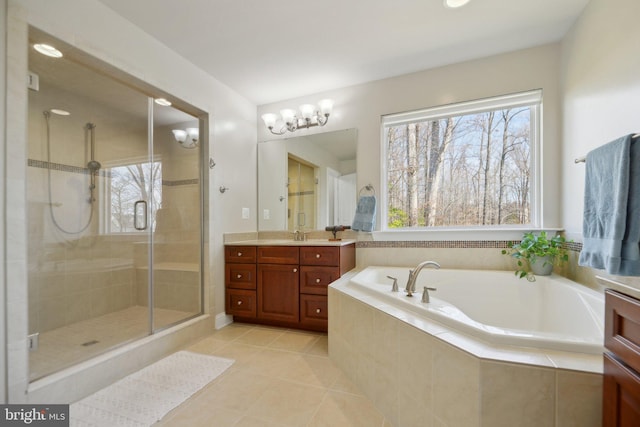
(495, 306)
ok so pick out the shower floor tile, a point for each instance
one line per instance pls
(66, 346)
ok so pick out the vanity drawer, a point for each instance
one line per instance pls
(240, 276)
(278, 255)
(320, 255)
(622, 327)
(314, 280)
(241, 303)
(313, 310)
(240, 254)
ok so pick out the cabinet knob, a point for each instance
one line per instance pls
(317, 255)
(239, 302)
(295, 270)
(239, 276)
(317, 280)
(318, 311)
(239, 253)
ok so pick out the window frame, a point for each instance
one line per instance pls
(531, 98)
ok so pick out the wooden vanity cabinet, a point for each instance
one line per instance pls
(289, 284)
(621, 385)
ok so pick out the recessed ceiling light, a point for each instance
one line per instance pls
(60, 112)
(452, 4)
(162, 101)
(48, 50)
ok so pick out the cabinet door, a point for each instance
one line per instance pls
(278, 290)
(621, 404)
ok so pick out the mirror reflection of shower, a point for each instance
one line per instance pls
(93, 167)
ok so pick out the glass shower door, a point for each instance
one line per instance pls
(176, 291)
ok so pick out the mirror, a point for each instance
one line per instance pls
(307, 182)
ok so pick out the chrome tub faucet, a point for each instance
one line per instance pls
(413, 275)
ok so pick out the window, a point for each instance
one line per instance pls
(123, 186)
(466, 164)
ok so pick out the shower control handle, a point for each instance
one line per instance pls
(142, 203)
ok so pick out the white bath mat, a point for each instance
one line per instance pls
(144, 397)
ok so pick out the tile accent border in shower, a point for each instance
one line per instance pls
(59, 167)
(451, 244)
(41, 164)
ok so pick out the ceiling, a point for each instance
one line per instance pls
(272, 50)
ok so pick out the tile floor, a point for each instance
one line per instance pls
(281, 377)
(66, 346)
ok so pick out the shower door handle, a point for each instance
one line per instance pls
(142, 203)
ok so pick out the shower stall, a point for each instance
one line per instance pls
(114, 195)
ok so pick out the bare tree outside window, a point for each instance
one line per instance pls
(129, 184)
(461, 170)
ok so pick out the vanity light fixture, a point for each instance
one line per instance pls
(309, 116)
(453, 4)
(47, 50)
(163, 102)
(187, 138)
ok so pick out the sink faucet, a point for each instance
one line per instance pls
(413, 275)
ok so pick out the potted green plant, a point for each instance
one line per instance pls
(540, 251)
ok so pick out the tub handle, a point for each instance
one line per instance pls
(425, 293)
(394, 286)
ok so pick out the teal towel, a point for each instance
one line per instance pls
(611, 223)
(365, 218)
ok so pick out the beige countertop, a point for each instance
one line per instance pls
(284, 242)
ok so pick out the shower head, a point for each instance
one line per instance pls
(93, 165)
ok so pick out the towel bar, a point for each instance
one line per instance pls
(584, 158)
(367, 187)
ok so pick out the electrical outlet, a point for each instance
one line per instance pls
(245, 213)
(266, 214)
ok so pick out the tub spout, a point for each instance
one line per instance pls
(413, 275)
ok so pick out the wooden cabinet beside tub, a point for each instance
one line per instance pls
(283, 285)
(621, 386)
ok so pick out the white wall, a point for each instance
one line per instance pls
(97, 30)
(601, 85)
(601, 89)
(362, 106)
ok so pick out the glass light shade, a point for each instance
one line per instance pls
(288, 116)
(47, 50)
(326, 106)
(59, 112)
(270, 119)
(307, 111)
(180, 135)
(455, 3)
(193, 133)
